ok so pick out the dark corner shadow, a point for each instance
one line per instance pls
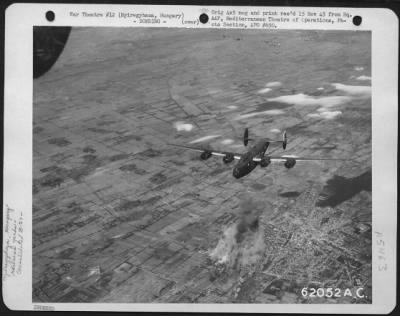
(48, 43)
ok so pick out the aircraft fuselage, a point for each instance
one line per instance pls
(246, 164)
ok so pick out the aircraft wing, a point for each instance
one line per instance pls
(286, 157)
(211, 151)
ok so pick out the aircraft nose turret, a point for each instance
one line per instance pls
(236, 173)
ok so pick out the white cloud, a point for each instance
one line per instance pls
(268, 112)
(320, 88)
(265, 90)
(275, 130)
(356, 91)
(273, 84)
(358, 68)
(181, 126)
(364, 78)
(202, 139)
(232, 107)
(328, 115)
(303, 99)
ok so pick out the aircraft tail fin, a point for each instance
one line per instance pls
(246, 137)
(284, 141)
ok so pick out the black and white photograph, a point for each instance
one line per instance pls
(201, 166)
(200, 159)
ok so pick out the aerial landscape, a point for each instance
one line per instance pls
(122, 216)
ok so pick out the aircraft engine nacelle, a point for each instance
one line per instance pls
(228, 158)
(265, 161)
(205, 155)
(289, 163)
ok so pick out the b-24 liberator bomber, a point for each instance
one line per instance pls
(255, 156)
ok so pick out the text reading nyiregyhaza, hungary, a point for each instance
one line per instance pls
(233, 18)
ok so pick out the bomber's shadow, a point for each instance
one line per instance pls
(339, 189)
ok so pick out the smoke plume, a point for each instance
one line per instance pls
(242, 243)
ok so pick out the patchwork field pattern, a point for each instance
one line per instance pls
(119, 215)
